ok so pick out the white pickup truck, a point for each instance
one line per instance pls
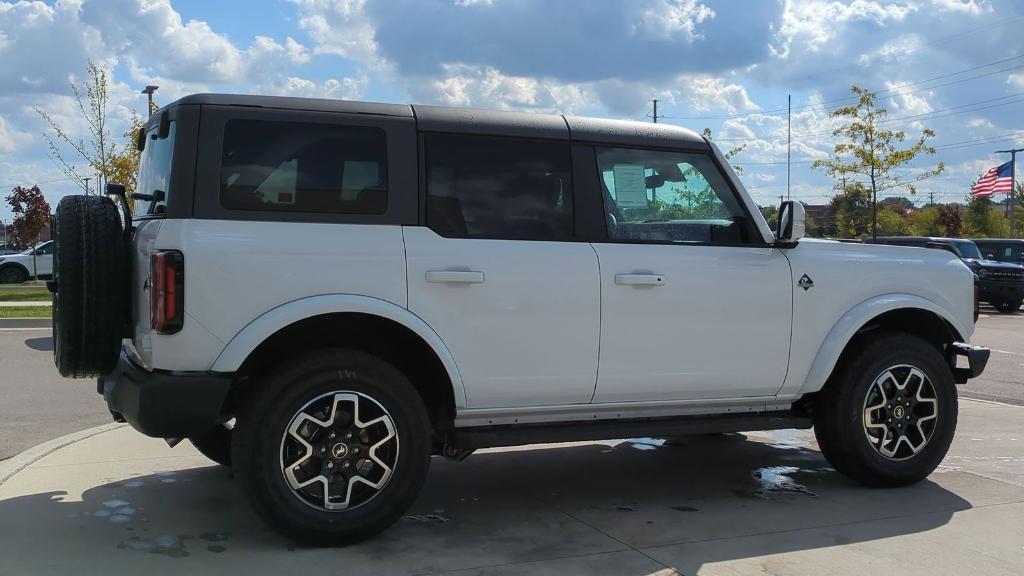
(324, 294)
(32, 263)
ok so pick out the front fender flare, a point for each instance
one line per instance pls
(847, 326)
(266, 325)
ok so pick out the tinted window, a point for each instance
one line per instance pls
(303, 167)
(659, 196)
(155, 172)
(967, 249)
(498, 188)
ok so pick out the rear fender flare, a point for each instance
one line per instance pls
(272, 321)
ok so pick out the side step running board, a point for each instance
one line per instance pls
(519, 434)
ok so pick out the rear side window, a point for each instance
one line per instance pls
(501, 188)
(155, 172)
(303, 167)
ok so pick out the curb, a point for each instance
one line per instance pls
(26, 323)
(27, 457)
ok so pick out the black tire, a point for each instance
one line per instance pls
(839, 412)
(258, 448)
(90, 269)
(215, 443)
(1007, 307)
(13, 274)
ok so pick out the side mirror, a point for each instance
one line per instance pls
(791, 222)
(140, 140)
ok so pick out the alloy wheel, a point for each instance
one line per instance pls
(339, 451)
(900, 412)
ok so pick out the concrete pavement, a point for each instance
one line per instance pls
(119, 503)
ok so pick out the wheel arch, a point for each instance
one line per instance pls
(360, 322)
(16, 265)
(898, 312)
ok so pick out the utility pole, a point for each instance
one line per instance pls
(931, 198)
(1013, 184)
(148, 91)
(86, 180)
(789, 140)
(655, 100)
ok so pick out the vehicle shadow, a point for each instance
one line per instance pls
(684, 502)
(44, 344)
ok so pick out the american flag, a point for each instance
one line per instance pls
(996, 181)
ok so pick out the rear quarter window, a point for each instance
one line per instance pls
(303, 167)
(155, 172)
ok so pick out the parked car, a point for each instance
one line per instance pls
(323, 294)
(1001, 284)
(19, 268)
(1002, 249)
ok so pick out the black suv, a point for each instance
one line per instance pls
(1002, 249)
(1001, 283)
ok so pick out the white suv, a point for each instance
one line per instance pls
(32, 263)
(324, 294)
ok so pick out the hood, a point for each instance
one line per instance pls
(992, 264)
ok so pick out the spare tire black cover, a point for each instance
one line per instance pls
(90, 267)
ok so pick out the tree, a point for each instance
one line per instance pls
(925, 222)
(950, 219)
(31, 215)
(872, 153)
(985, 220)
(851, 211)
(105, 159)
(891, 222)
(729, 153)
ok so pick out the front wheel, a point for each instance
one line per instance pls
(1008, 307)
(13, 275)
(888, 417)
(333, 447)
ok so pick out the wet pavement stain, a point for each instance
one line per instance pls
(165, 545)
(426, 518)
(215, 536)
(685, 509)
(779, 480)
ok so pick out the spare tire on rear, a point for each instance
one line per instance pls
(90, 275)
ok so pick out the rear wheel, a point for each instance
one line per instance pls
(333, 447)
(888, 418)
(13, 275)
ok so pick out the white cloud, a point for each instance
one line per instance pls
(809, 25)
(668, 19)
(11, 138)
(345, 89)
(705, 93)
(339, 27)
(1016, 80)
(463, 85)
(906, 104)
(971, 7)
(893, 51)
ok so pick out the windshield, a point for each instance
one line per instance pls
(155, 172)
(967, 249)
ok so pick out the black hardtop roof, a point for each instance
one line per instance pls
(477, 121)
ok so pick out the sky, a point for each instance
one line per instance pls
(955, 66)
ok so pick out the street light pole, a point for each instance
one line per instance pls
(148, 91)
(1013, 184)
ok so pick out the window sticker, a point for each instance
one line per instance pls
(630, 186)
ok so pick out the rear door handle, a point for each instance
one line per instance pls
(640, 279)
(455, 277)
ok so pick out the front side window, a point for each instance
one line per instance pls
(155, 172)
(498, 188)
(676, 197)
(303, 167)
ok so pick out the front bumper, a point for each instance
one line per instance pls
(164, 404)
(1000, 292)
(977, 359)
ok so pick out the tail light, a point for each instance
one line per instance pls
(166, 291)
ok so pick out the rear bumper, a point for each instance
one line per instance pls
(163, 404)
(977, 359)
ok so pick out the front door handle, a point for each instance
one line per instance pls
(455, 277)
(640, 279)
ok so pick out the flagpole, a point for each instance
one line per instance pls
(1013, 184)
